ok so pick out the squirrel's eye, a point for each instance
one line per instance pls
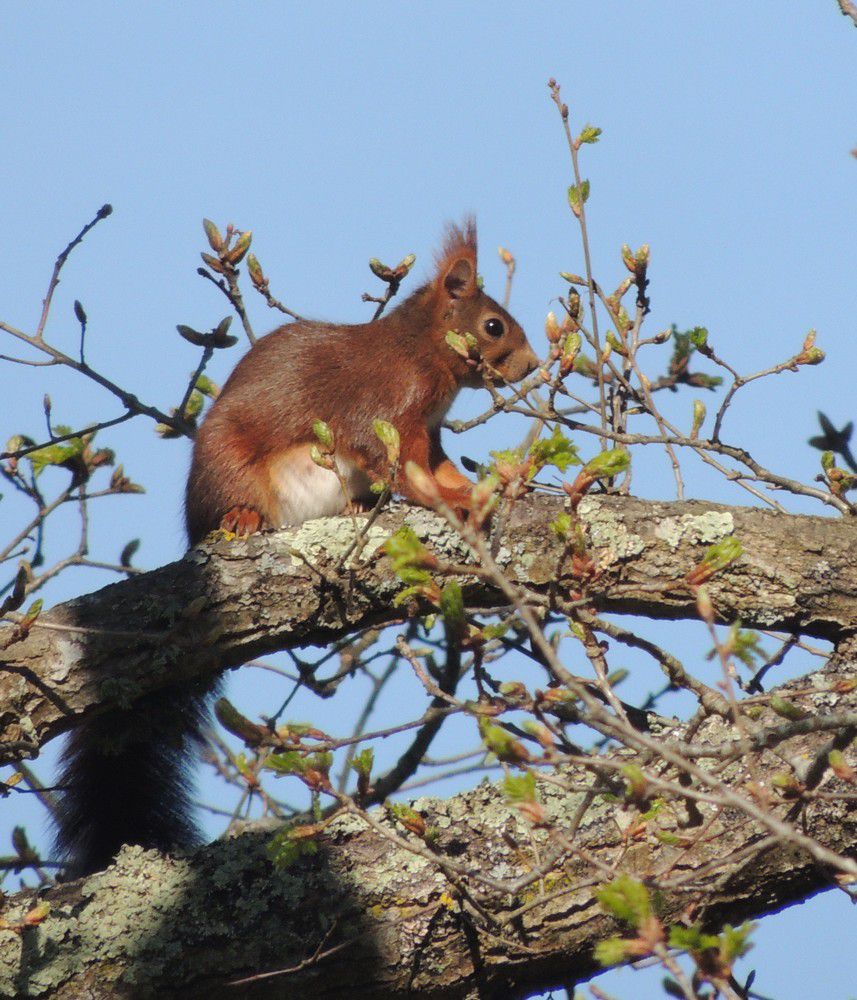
(494, 327)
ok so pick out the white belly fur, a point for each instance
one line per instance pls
(304, 490)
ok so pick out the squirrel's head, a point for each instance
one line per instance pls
(464, 308)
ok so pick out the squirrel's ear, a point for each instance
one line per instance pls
(456, 263)
(459, 277)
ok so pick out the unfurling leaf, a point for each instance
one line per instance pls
(608, 464)
(577, 196)
(626, 899)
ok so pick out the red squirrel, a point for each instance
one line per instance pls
(124, 774)
(251, 464)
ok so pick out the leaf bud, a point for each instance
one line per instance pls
(220, 334)
(704, 605)
(242, 245)
(381, 270)
(254, 269)
(628, 258)
(423, 484)
(215, 240)
(322, 459)
(212, 262)
(191, 336)
(622, 289)
(841, 768)
(404, 266)
(698, 417)
(389, 437)
(323, 434)
(552, 328)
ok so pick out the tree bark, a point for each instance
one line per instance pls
(227, 602)
(388, 923)
(378, 912)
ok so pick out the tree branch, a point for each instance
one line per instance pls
(372, 901)
(228, 602)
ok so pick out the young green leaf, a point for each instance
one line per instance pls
(626, 899)
(556, 450)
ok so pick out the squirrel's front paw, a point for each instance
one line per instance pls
(242, 521)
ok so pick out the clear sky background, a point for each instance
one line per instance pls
(338, 132)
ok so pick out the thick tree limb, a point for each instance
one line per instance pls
(393, 925)
(227, 602)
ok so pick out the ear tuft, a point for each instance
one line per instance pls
(456, 263)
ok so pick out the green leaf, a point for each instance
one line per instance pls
(520, 787)
(589, 134)
(285, 848)
(464, 344)
(406, 551)
(786, 709)
(735, 941)
(637, 783)
(692, 939)
(206, 387)
(496, 630)
(719, 555)
(745, 646)
(556, 450)
(612, 951)
(413, 576)
(608, 464)
(321, 761)
(665, 837)
(500, 742)
(626, 899)
(194, 405)
(363, 762)
(56, 454)
(578, 195)
(706, 381)
(698, 336)
(562, 525)
(405, 595)
(452, 607)
(287, 762)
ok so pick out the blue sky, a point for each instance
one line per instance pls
(339, 132)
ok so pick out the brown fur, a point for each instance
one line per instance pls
(399, 369)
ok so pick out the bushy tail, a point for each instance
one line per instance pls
(126, 779)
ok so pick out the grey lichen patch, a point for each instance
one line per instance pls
(330, 538)
(822, 570)
(609, 532)
(61, 666)
(432, 529)
(698, 529)
(346, 826)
